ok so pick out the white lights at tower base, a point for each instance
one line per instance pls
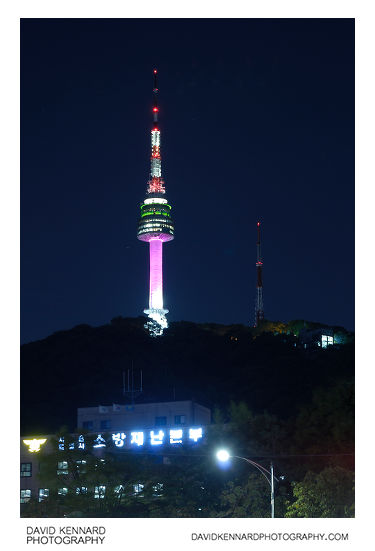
(157, 321)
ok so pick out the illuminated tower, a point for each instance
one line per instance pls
(259, 314)
(156, 227)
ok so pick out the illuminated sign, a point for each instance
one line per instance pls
(119, 439)
(136, 439)
(80, 443)
(175, 436)
(157, 439)
(99, 442)
(195, 434)
(127, 440)
(34, 445)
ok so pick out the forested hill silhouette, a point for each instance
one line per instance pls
(214, 364)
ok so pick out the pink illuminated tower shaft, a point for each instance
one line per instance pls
(156, 274)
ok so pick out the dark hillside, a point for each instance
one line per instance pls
(210, 363)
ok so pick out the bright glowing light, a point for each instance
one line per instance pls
(155, 328)
(155, 109)
(175, 436)
(327, 340)
(100, 442)
(119, 439)
(157, 200)
(155, 137)
(156, 183)
(34, 445)
(137, 438)
(156, 173)
(195, 434)
(99, 492)
(223, 455)
(156, 439)
(138, 488)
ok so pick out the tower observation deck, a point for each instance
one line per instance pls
(156, 227)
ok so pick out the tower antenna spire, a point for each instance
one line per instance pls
(259, 313)
(155, 108)
(155, 226)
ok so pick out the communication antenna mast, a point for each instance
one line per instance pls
(259, 313)
(128, 386)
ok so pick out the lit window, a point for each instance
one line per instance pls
(138, 489)
(62, 491)
(25, 496)
(158, 490)
(326, 341)
(119, 490)
(160, 421)
(26, 469)
(105, 424)
(99, 492)
(81, 465)
(43, 493)
(179, 419)
(88, 425)
(81, 490)
(152, 200)
(62, 467)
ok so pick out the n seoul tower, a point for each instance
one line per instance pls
(156, 227)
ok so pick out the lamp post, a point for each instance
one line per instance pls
(223, 456)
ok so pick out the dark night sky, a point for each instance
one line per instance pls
(257, 121)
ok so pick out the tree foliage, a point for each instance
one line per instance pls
(329, 493)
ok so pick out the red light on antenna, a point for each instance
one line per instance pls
(155, 109)
(258, 224)
(155, 71)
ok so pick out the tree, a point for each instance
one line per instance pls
(328, 494)
(251, 499)
(328, 422)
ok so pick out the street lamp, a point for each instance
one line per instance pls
(223, 456)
